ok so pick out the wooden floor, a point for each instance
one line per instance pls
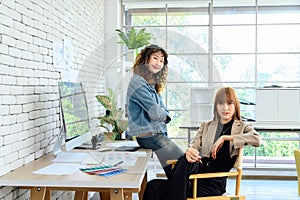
(267, 189)
(260, 190)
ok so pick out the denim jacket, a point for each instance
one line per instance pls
(145, 109)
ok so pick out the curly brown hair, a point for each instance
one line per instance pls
(140, 67)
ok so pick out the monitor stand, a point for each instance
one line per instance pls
(77, 141)
(59, 142)
(94, 143)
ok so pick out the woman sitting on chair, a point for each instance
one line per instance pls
(214, 149)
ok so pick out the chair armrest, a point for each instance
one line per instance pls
(171, 162)
(213, 175)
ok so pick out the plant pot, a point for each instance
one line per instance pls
(111, 136)
(130, 55)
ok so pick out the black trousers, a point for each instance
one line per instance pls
(178, 186)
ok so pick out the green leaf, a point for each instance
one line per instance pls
(104, 127)
(104, 120)
(122, 124)
(118, 114)
(118, 124)
(105, 101)
(113, 102)
(123, 37)
(133, 39)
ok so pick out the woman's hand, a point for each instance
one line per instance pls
(192, 155)
(219, 143)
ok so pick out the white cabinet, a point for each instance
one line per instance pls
(278, 104)
(201, 107)
(266, 105)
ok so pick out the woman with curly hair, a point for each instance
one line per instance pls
(147, 114)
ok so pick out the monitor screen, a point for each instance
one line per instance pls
(74, 112)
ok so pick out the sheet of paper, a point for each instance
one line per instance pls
(113, 157)
(70, 157)
(59, 169)
(137, 153)
(122, 143)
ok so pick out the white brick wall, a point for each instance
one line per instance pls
(29, 105)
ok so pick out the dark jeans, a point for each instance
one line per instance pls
(178, 187)
(164, 148)
(154, 142)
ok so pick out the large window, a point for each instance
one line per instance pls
(247, 45)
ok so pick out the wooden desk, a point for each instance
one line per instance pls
(119, 187)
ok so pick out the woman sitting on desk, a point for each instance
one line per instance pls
(214, 149)
(147, 115)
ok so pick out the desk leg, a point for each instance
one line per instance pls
(116, 194)
(48, 195)
(143, 186)
(37, 193)
(104, 195)
(81, 195)
(128, 196)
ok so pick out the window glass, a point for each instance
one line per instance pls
(188, 68)
(158, 35)
(146, 17)
(234, 12)
(188, 16)
(247, 102)
(184, 40)
(278, 38)
(241, 16)
(278, 14)
(234, 39)
(177, 96)
(278, 69)
(233, 68)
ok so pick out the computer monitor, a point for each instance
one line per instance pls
(75, 128)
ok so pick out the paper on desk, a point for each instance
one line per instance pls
(128, 158)
(122, 143)
(70, 157)
(59, 169)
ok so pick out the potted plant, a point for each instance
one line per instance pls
(113, 120)
(134, 39)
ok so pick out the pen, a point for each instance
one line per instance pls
(199, 160)
(118, 163)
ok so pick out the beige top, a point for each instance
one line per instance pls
(243, 134)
